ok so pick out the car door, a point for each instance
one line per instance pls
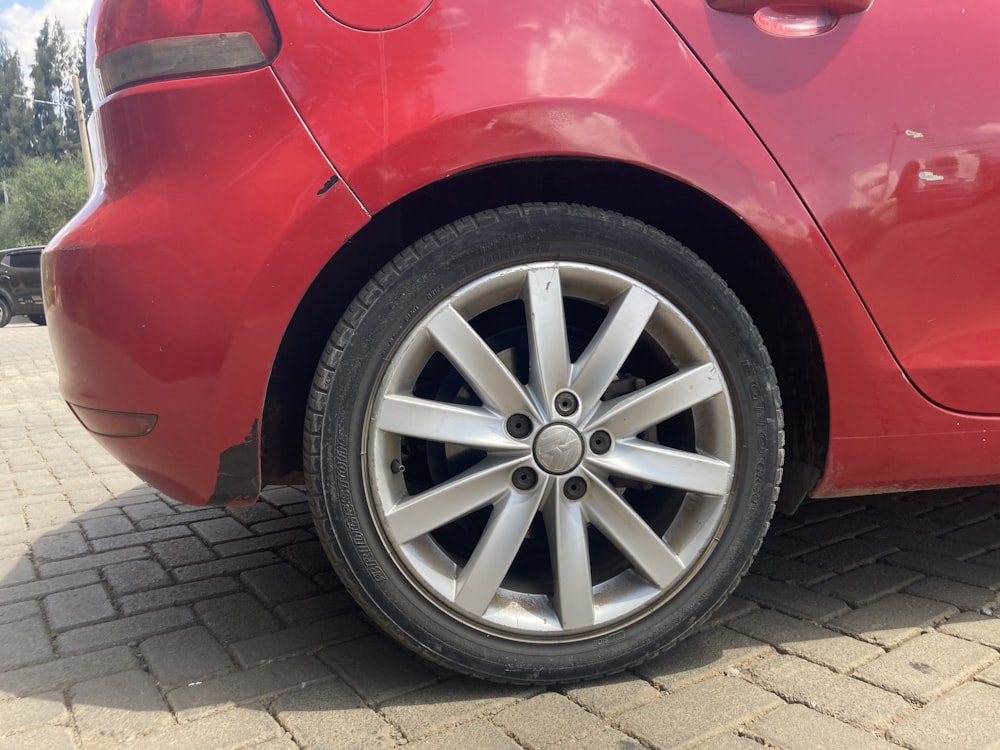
(25, 278)
(888, 125)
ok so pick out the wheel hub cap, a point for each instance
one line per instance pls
(558, 448)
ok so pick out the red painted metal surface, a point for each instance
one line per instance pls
(891, 137)
(221, 173)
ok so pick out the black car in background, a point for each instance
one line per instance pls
(21, 284)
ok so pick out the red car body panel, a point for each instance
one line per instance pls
(899, 161)
(392, 112)
(170, 291)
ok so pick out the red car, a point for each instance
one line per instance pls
(562, 292)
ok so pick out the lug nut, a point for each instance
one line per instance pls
(600, 442)
(519, 426)
(567, 403)
(575, 488)
(525, 478)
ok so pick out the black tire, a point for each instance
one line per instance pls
(5, 313)
(646, 411)
(37, 318)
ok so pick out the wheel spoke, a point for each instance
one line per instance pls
(481, 485)
(495, 552)
(666, 467)
(495, 385)
(599, 364)
(471, 426)
(631, 414)
(547, 332)
(566, 527)
(633, 537)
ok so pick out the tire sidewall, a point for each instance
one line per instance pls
(424, 276)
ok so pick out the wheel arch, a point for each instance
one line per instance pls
(708, 228)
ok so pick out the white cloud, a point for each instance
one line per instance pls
(21, 22)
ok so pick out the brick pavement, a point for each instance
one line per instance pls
(125, 617)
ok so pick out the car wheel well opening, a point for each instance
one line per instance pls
(720, 238)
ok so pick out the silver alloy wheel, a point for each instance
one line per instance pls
(562, 442)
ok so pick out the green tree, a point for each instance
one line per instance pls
(44, 194)
(15, 116)
(55, 131)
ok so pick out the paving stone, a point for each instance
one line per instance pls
(268, 541)
(779, 545)
(926, 667)
(135, 575)
(69, 609)
(297, 639)
(969, 510)
(316, 608)
(42, 515)
(551, 720)
(64, 567)
(792, 600)
(232, 729)
(613, 695)
(24, 713)
(848, 554)
(187, 550)
(67, 670)
(433, 709)
(956, 570)
(244, 686)
(864, 585)
(331, 715)
(966, 719)
(960, 595)
(788, 571)
(107, 526)
(19, 611)
(137, 538)
(115, 710)
(43, 738)
(236, 618)
(308, 557)
(11, 523)
(278, 583)
(681, 721)
(301, 521)
(24, 642)
(701, 656)
(973, 626)
(152, 509)
(893, 619)
(16, 570)
(220, 530)
(123, 630)
(182, 516)
(479, 734)
(984, 534)
(812, 642)
(798, 728)
(185, 656)
(729, 742)
(226, 566)
(844, 698)
(926, 542)
(59, 546)
(38, 589)
(183, 593)
(256, 513)
(376, 668)
(834, 529)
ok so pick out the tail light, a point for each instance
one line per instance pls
(134, 41)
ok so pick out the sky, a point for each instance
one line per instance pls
(20, 21)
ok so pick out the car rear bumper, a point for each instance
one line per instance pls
(169, 293)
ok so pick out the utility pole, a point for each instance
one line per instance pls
(81, 125)
(81, 122)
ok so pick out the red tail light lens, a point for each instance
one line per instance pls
(132, 41)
